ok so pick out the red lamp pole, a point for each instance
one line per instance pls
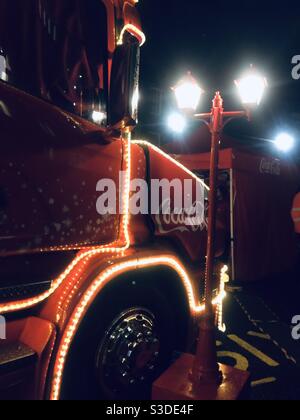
(199, 377)
(206, 369)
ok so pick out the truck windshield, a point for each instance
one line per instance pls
(57, 50)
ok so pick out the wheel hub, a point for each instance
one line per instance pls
(128, 354)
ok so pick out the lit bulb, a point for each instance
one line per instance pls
(177, 123)
(251, 88)
(284, 142)
(188, 93)
(98, 117)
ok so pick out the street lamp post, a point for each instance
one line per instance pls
(205, 368)
(201, 377)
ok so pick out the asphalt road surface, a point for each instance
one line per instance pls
(258, 338)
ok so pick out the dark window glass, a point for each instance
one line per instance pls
(57, 50)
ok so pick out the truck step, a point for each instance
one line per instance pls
(17, 371)
(15, 356)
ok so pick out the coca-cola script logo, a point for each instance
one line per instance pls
(185, 220)
(270, 167)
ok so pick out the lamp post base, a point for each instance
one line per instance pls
(176, 384)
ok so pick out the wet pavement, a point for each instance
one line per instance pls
(258, 338)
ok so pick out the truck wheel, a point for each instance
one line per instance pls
(126, 341)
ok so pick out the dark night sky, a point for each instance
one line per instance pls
(216, 41)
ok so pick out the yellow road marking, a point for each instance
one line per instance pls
(259, 335)
(253, 350)
(241, 361)
(263, 382)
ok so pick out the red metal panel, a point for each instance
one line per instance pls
(51, 163)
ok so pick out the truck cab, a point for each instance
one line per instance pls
(93, 304)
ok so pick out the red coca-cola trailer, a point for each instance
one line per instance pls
(257, 190)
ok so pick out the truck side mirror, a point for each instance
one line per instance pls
(124, 87)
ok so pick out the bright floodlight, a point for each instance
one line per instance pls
(98, 117)
(188, 93)
(251, 88)
(177, 123)
(284, 142)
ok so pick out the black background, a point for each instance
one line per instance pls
(217, 40)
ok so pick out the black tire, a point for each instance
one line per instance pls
(83, 376)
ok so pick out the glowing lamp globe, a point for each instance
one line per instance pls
(188, 93)
(251, 88)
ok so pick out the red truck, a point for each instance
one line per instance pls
(93, 306)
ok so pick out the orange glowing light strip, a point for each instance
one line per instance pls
(133, 30)
(224, 279)
(96, 287)
(28, 303)
(174, 161)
